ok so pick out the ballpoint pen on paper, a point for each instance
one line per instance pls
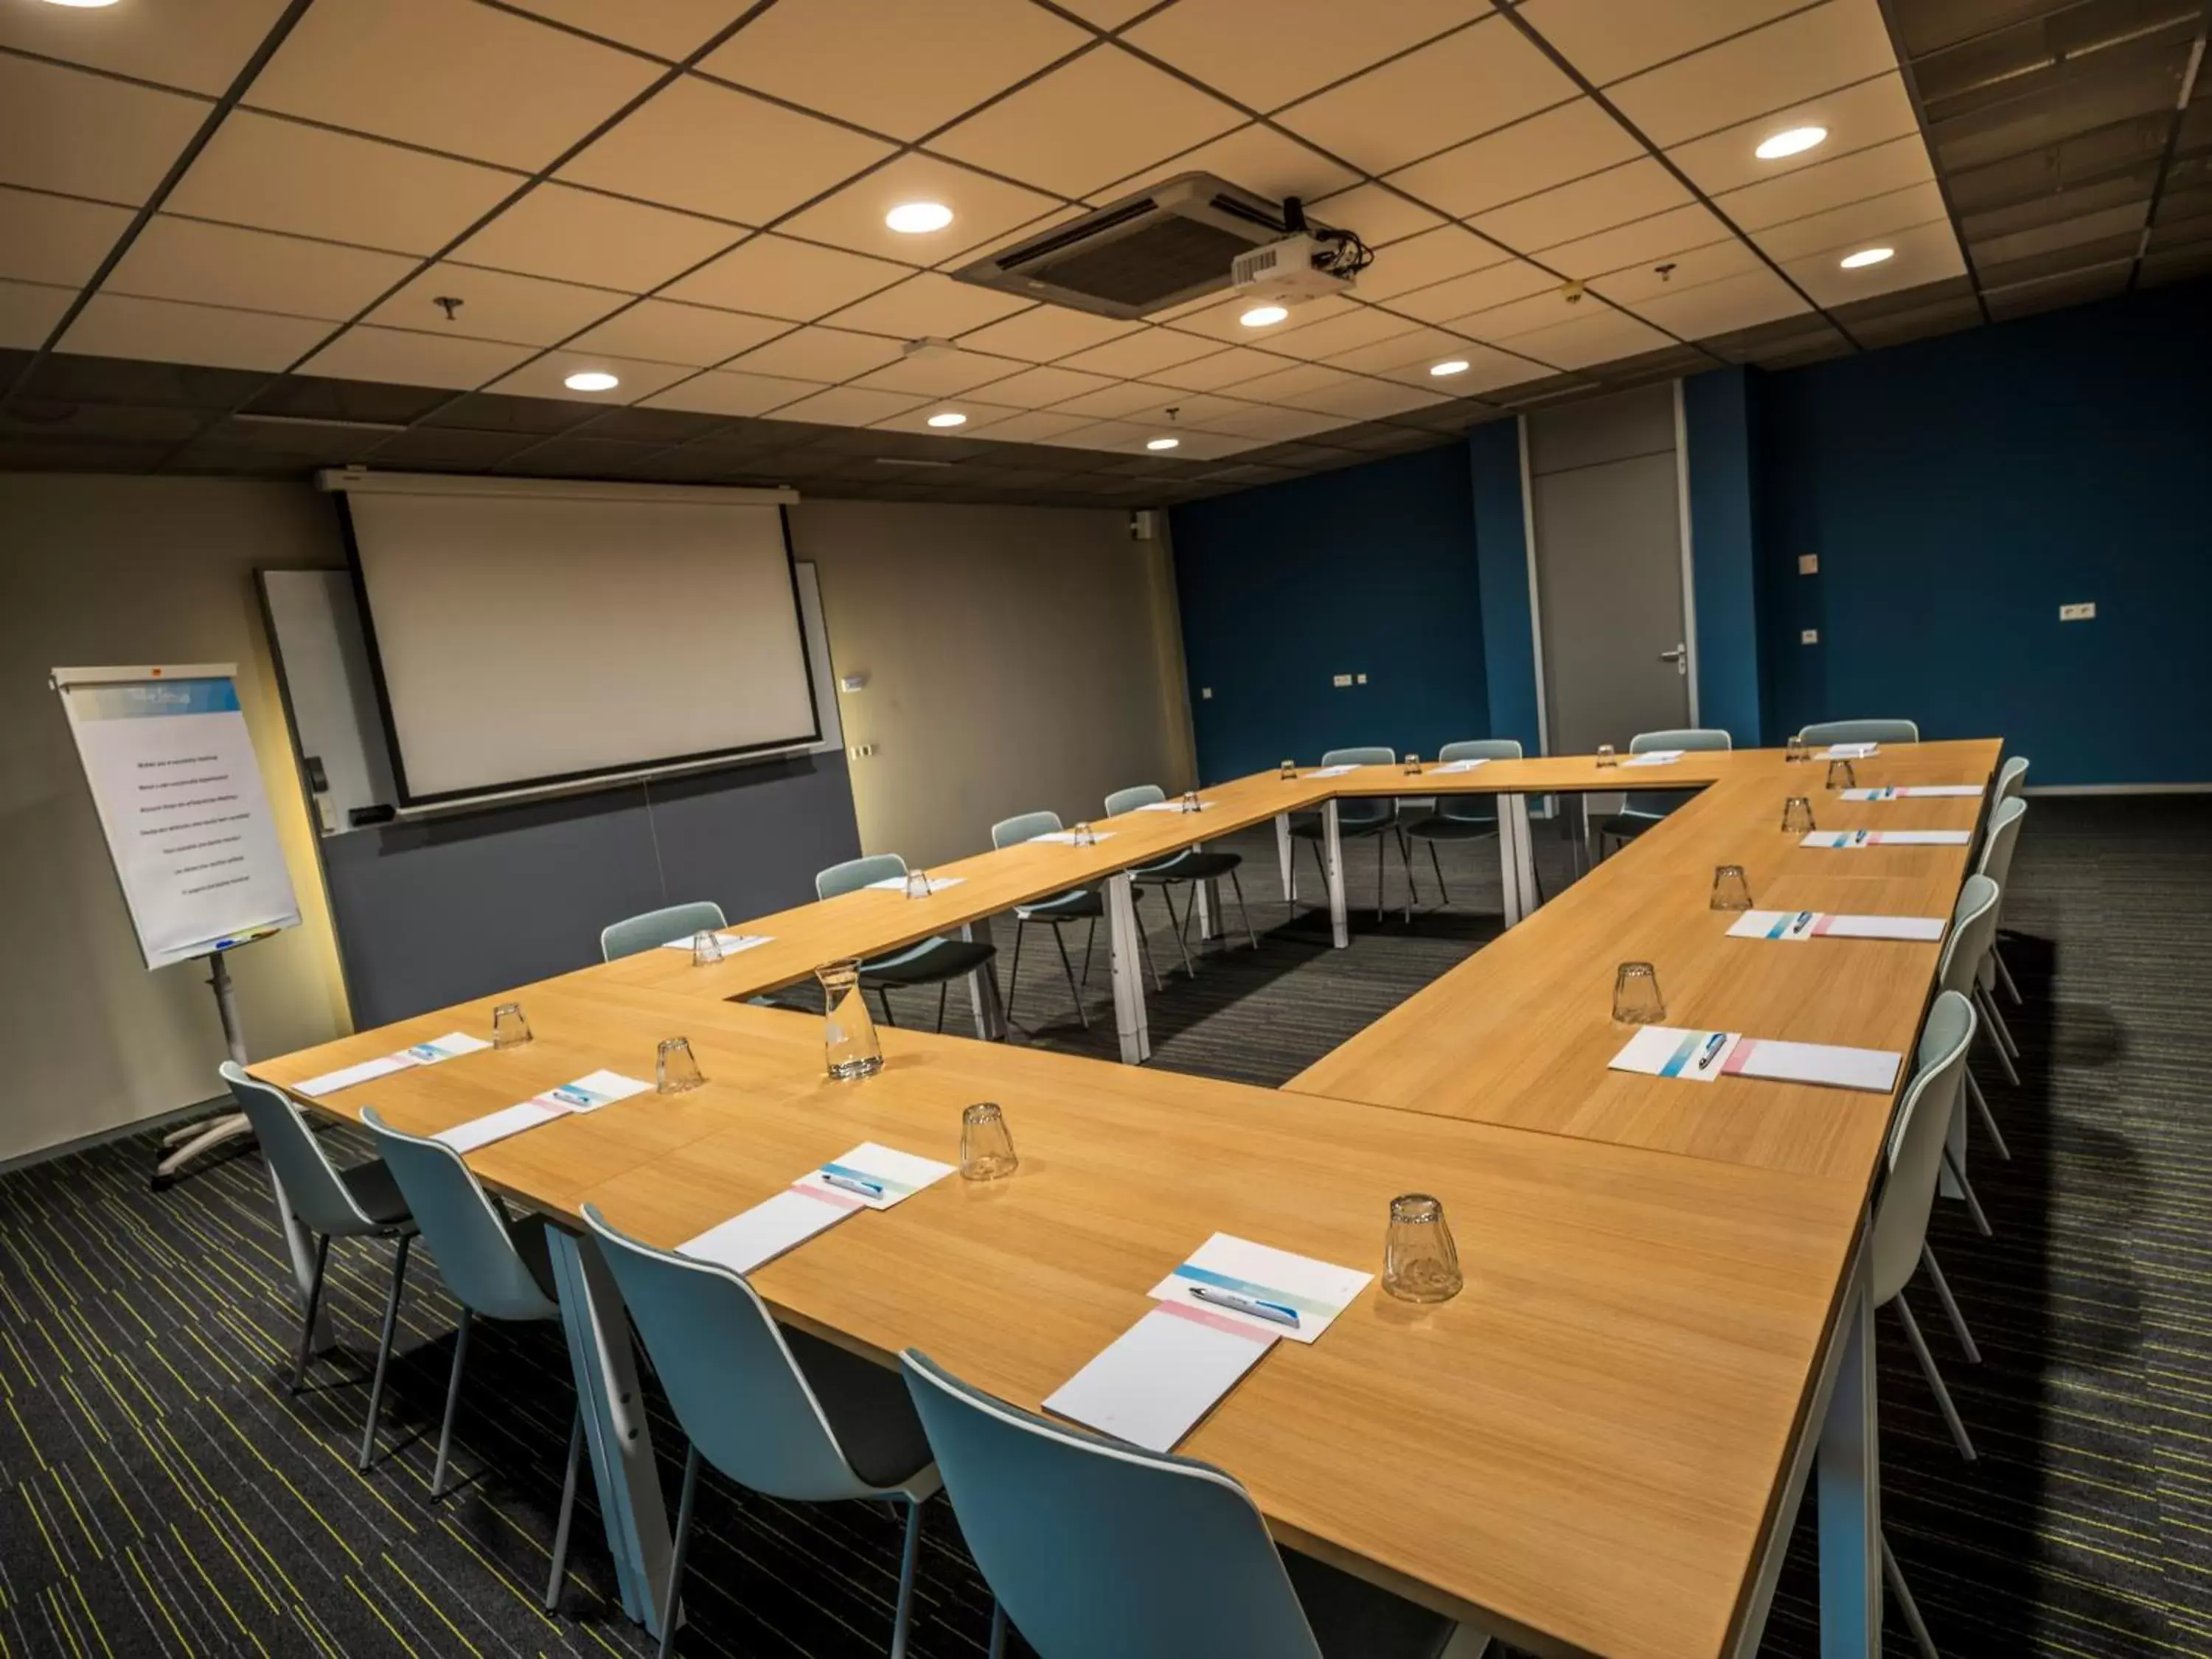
(1275, 1312)
(1804, 921)
(1713, 1045)
(1858, 838)
(854, 1184)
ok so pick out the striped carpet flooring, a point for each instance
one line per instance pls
(161, 1494)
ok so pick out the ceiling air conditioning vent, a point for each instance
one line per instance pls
(1141, 254)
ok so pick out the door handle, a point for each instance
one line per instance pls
(1680, 656)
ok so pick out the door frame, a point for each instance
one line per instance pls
(1689, 559)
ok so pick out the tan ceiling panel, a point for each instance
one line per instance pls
(451, 76)
(669, 29)
(496, 304)
(546, 377)
(1599, 335)
(917, 418)
(940, 376)
(904, 69)
(776, 276)
(1300, 46)
(1040, 388)
(1465, 85)
(1926, 253)
(664, 331)
(1531, 311)
(1694, 268)
(1855, 117)
(720, 392)
(85, 135)
(1640, 242)
(828, 355)
(703, 147)
(277, 175)
(1217, 370)
(1607, 42)
(1420, 261)
(1107, 14)
(581, 236)
(1261, 160)
(253, 270)
(1743, 301)
(1274, 425)
(1356, 325)
(1379, 215)
(1548, 148)
(1632, 190)
(1897, 165)
(1127, 401)
(1137, 355)
(406, 356)
(929, 305)
(1078, 128)
(29, 311)
(849, 406)
(200, 48)
(1416, 350)
(1044, 333)
(984, 209)
(1852, 226)
(166, 332)
(1493, 286)
(1285, 386)
(1487, 368)
(1219, 319)
(1362, 399)
(1030, 426)
(55, 239)
(1770, 68)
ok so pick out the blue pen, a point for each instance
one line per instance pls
(854, 1184)
(1804, 921)
(1713, 1045)
(1858, 839)
(1273, 1312)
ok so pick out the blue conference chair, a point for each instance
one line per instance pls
(774, 1409)
(1827, 732)
(495, 1267)
(1192, 865)
(1077, 904)
(657, 927)
(1097, 1550)
(1641, 809)
(1358, 816)
(361, 1201)
(935, 961)
(1463, 817)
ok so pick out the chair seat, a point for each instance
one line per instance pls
(1064, 907)
(1311, 829)
(869, 1409)
(1437, 827)
(1354, 1620)
(375, 1192)
(928, 962)
(1191, 865)
(1626, 825)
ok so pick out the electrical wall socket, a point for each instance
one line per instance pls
(1809, 564)
(1808, 636)
(1340, 679)
(2084, 612)
(1363, 679)
(1205, 694)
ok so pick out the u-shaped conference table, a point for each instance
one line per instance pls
(1598, 1447)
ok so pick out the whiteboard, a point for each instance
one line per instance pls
(173, 778)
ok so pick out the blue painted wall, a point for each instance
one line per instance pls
(1370, 570)
(1717, 428)
(1958, 490)
(1501, 540)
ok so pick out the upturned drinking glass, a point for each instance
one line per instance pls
(1731, 890)
(848, 1033)
(917, 884)
(1797, 749)
(1636, 999)
(509, 1029)
(706, 948)
(675, 1067)
(1290, 769)
(1412, 766)
(1086, 836)
(1606, 757)
(987, 1148)
(1797, 815)
(1420, 1263)
(1843, 771)
(1190, 802)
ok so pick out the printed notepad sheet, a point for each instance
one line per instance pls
(1917, 792)
(1155, 1381)
(1850, 841)
(453, 1043)
(585, 1094)
(1708, 1056)
(897, 884)
(1655, 758)
(869, 1177)
(1790, 927)
(1332, 771)
(1848, 751)
(732, 943)
(1263, 1289)
(1066, 837)
(1460, 766)
(1175, 806)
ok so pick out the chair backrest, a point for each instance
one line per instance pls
(1973, 925)
(303, 1169)
(2012, 779)
(466, 1232)
(1098, 1550)
(855, 874)
(1658, 803)
(1024, 826)
(654, 928)
(1364, 810)
(2004, 834)
(1474, 809)
(1825, 731)
(729, 1375)
(1135, 796)
(1916, 1143)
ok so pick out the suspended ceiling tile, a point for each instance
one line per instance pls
(55, 239)
(1418, 347)
(1641, 242)
(776, 276)
(1032, 426)
(903, 70)
(665, 331)
(1260, 159)
(1107, 14)
(1216, 370)
(1743, 301)
(957, 440)
(929, 305)
(496, 304)
(1300, 45)
(1423, 260)
(1926, 253)
(546, 377)
(1770, 68)
(1598, 335)
(1357, 326)
(710, 149)
(1193, 444)
(253, 270)
(1521, 316)
(1547, 150)
(828, 355)
(1219, 319)
(199, 48)
(1041, 388)
(415, 357)
(278, 175)
(1856, 224)
(1378, 213)
(1046, 332)
(1444, 94)
(984, 209)
(115, 326)
(1120, 435)
(724, 391)
(940, 376)
(1875, 171)
(1572, 211)
(668, 29)
(1141, 353)
(1363, 399)
(581, 236)
(29, 311)
(1128, 401)
(1487, 368)
(849, 406)
(85, 135)
(1494, 285)
(1691, 268)
(1273, 424)
(1072, 131)
(451, 76)
(1609, 42)
(1855, 117)
(2124, 220)
(1285, 384)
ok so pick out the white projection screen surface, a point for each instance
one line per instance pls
(526, 640)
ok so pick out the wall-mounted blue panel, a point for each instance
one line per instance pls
(1501, 533)
(1716, 431)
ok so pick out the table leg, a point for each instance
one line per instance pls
(1589, 853)
(1340, 928)
(1282, 848)
(983, 996)
(1208, 899)
(1516, 869)
(1850, 1504)
(1125, 953)
(614, 1427)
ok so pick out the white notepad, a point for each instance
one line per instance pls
(1914, 791)
(1792, 927)
(1203, 807)
(585, 1094)
(732, 943)
(1226, 1268)
(897, 884)
(1708, 1056)
(453, 1043)
(1332, 771)
(1655, 758)
(1848, 751)
(764, 1232)
(1154, 1384)
(1461, 765)
(1066, 837)
(893, 1175)
(1851, 841)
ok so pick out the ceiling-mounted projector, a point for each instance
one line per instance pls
(1295, 268)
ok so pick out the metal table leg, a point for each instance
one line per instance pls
(1340, 927)
(1850, 1502)
(1288, 867)
(983, 996)
(1126, 955)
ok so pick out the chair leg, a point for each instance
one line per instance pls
(1935, 1380)
(1014, 979)
(314, 1302)
(384, 1350)
(944, 988)
(1995, 1041)
(561, 1530)
(998, 1648)
(1989, 1118)
(2004, 977)
(1244, 910)
(884, 998)
(1089, 939)
(1145, 943)
(1406, 857)
(910, 1558)
(1379, 839)
(1997, 1023)
(452, 1404)
(1967, 1343)
(1068, 968)
(1167, 897)
(1905, 1604)
(1966, 1191)
(671, 1602)
(1439, 865)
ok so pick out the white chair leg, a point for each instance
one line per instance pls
(1997, 1023)
(561, 1531)
(1959, 1436)
(383, 1351)
(1966, 1191)
(908, 1557)
(1905, 1604)
(1996, 1044)
(1981, 1104)
(998, 1649)
(1243, 910)
(2004, 974)
(1950, 1304)
(452, 1404)
(1068, 969)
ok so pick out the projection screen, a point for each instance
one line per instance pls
(524, 640)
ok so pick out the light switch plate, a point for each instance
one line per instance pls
(1340, 679)
(1205, 694)
(1808, 636)
(1363, 679)
(1809, 564)
(2084, 612)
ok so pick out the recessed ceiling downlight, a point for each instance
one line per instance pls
(591, 380)
(949, 418)
(1453, 366)
(918, 218)
(1162, 443)
(1263, 316)
(1868, 256)
(82, 4)
(1792, 140)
